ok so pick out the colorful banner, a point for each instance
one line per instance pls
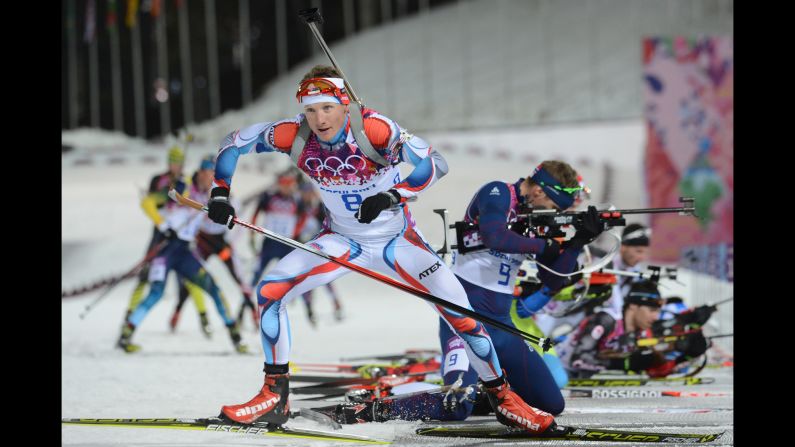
(689, 110)
(714, 260)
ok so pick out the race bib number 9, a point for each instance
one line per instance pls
(157, 270)
(455, 358)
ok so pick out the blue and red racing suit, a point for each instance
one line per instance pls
(391, 244)
(281, 217)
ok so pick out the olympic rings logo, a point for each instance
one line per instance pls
(335, 165)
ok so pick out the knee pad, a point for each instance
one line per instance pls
(272, 290)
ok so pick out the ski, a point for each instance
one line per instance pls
(608, 393)
(596, 393)
(367, 370)
(329, 381)
(647, 410)
(698, 364)
(564, 433)
(639, 382)
(322, 391)
(418, 354)
(379, 386)
(221, 425)
(332, 381)
(338, 381)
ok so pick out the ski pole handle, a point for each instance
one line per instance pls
(310, 17)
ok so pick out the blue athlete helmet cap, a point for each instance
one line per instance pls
(674, 305)
(562, 196)
(208, 162)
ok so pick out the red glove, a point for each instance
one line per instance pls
(662, 370)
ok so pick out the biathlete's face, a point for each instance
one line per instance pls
(645, 316)
(205, 179)
(536, 197)
(325, 118)
(632, 255)
(287, 189)
(175, 169)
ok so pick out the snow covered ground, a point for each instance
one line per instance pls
(184, 374)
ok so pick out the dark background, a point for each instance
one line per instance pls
(262, 32)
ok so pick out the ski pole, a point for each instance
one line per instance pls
(85, 289)
(544, 343)
(720, 336)
(149, 256)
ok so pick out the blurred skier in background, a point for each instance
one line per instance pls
(179, 229)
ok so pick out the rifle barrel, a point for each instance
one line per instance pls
(723, 301)
(627, 211)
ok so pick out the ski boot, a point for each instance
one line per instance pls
(310, 315)
(172, 324)
(124, 340)
(234, 334)
(270, 405)
(239, 319)
(338, 314)
(512, 411)
(255, 318)
(205, 324)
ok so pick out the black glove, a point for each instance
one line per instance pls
(527, 288)
(641, 360)
(550, 253)
(219, 209)
(520, 226)
(372, 206)
(589, 230)
(697, 316)
(170, 234)
(691, 346)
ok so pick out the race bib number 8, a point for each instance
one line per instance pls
(351, 201)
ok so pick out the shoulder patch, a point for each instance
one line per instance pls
(377, 131)
(282, 135)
